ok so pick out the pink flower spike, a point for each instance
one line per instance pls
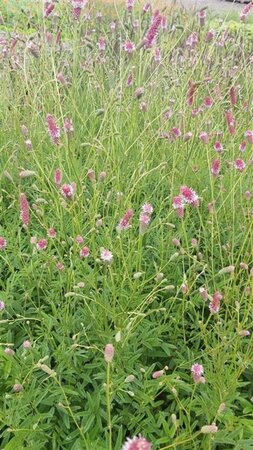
(197, 371)
(230, 122)
(24, 210)
(146, 7)
(239, 164)
(152, 32)
(101, 44)
(202, 17)
(218, 147)
(158, 374)
(233, 95)
(208, 102)
(210, 35)
(68, 126)
(48, 10)
(60, 266)
(58, 177)
(147, 208)
(144, 222)
(203, 293)
(214, 305)
(137, 443)
(67, 190)
(124, 223)
(209, 429)
(3, 243)
(2, 305)
(215, 169)
(91, 175)
(79, 240)
(84, 252)
(204, 137)
(53, 129)
(41, 244)
(109, 353)
(249, 136)
(242, 146)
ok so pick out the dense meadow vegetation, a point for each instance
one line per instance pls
(126, 241)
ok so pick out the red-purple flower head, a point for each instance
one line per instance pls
(53, 129)
(152, 32)
(137, 443)
(124, 223)
(24, 210)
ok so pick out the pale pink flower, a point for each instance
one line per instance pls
(124, 223)
(138, 93)
(202, 17)
(67, 190)
(109, 353)
(51, 233)
(61, 78)
(146, 7)
(112, 26)
(214, 305)
(101, 44)
(24, 131)
(203, 293)
(228, 269)
(147, 208)
(197, 371)
(215, 168)
(26, 173)
(249, 136)
(24, 210)
(17, 388)
(102, 176)
(204, 137)
(41, 244)
(247, 195)
(184, 288)
(245, 12)
(9, 351)
(192, 41)
(60, 266)
(53, 129)
(239, 164)
(129, 4)
(3, 243)
(209, 429)
(176, 132)
(79, 240)
(137, 443)
(91, 175)
(2, 305)
(58, 177)
(106, 256)
(176, 242)
(158, 55)
(84, 252)
(136, 24)
(68, 126)
(244, 333)
(33, 49)
(210, 35)
(157, 374)
(28, 144)
(178, 205)
(144, 221)
(143, 106)
(27, 344)
(164, 23)
(129, 47)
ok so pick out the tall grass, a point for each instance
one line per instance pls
(57, 390)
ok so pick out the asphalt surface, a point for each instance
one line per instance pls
(217, 6)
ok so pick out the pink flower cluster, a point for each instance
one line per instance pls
(187, 196)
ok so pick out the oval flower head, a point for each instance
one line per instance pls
(106, 256)
(209, 429)
(3, 243)
(239, 164)
(67, 190)
(137, 443)
(197, 371)
(214, 305)
(189, 195)
(109, 353)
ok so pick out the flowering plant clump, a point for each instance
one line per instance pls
(126, 230)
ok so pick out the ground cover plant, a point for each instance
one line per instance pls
(126, 229)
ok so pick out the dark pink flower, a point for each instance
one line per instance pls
(189, 195)
(129, 47)
(41, 244)
(84, 252)
(202, 17)
(67, 190)
(242, 146)
(24, 210)
(210, 35)
(48, 9)
(190, 93)
(137, 443)
(249, 136)
(152, 32)
(147, 7)
(245, 12)
(51, 233)
(58, 177)
(204, 137)
(208, 102)
(124, 223)
(214, 305)
(130, 80)
(233, 95)
(230, 122)
(3, 243)
(218, 147)
(215, 169)
(53, 129)
(239, 164)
